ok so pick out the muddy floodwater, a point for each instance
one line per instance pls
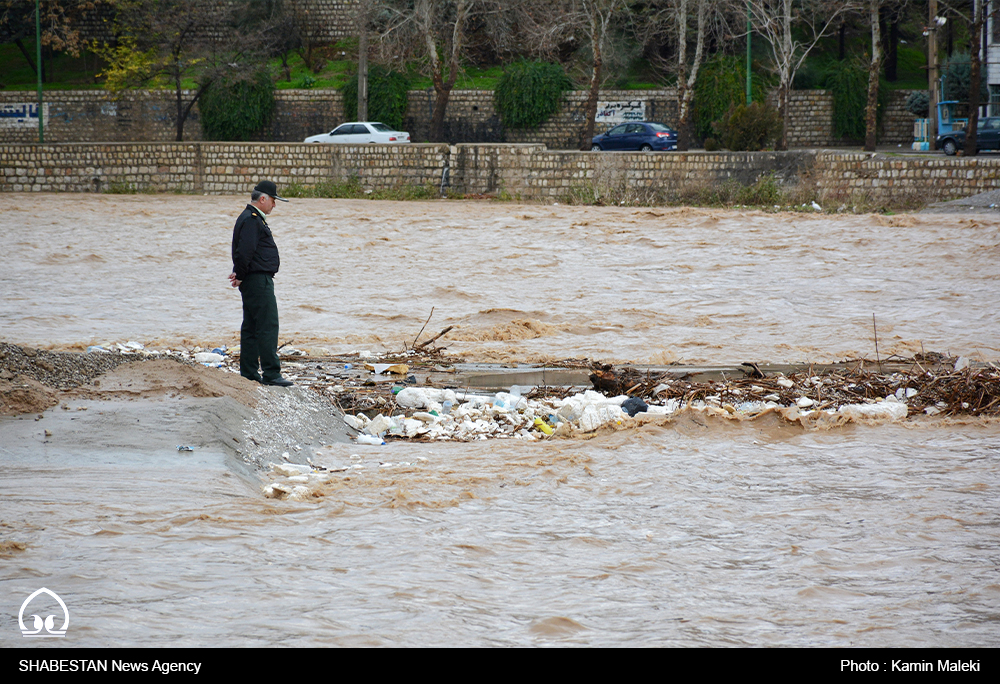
(518, 281)
(696, 531)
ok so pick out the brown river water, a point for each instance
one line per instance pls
(695, 532)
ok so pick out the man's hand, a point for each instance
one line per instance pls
(233, 281)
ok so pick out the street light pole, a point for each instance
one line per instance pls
(749, 88)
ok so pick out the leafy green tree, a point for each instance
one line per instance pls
(529, 93)
(848, 83)
(237, 106)
(721, 85)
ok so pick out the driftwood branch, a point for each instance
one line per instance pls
(424, 344)
(879, 361)
(414, 344)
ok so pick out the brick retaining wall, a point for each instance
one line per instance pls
(527, 171)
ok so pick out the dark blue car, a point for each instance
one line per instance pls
(646, 137)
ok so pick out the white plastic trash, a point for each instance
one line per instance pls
(379, 425)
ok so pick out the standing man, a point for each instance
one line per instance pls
(255, 261)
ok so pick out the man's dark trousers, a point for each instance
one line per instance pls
(259, 333)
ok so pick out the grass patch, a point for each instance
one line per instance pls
(63, 71)
(609, 188)
(471, 78)
(353, 189)
(335, 73)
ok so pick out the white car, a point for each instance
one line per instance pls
(360, 133)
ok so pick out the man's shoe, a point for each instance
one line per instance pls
(278, 382)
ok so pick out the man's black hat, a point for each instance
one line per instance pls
(270, 189)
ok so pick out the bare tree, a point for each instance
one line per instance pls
(362, 19)
(670, 21)
(273, 21)
(435, 31)
(596, 17)
(309, 32)
(874, 69)
(176, 40)
(584, 24)
(975, 77)
(975, 20)
(792, 28)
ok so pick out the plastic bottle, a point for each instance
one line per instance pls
(543, 426)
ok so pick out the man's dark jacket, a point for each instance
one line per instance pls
(254, 250)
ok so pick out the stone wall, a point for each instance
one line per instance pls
(301, 113)
(471, 117)
(897, 122)
(810, 118)
(213, 168)
(534, 172)
(95, 116)
(934, 178)
(331, 19)
(529, 172)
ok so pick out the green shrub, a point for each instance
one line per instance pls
(529, 93)
(237, 106)
(764, 192)
(387, 96)
(722, 83)
(749, 129)
(918, 104)
(848, 83)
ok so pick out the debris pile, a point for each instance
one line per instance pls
(417, 395)
(950, 388)
(848, 393)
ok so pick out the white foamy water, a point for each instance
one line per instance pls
(698, 532)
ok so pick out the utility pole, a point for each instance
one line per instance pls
(38, 62)
(932, 71)
(362, 61)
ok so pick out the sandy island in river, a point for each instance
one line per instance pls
(150, 402)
